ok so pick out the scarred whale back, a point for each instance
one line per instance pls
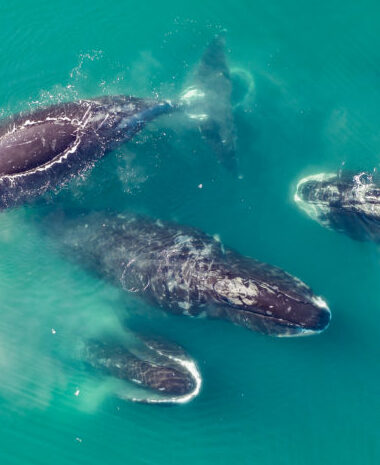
(44, 149)
(34, 145)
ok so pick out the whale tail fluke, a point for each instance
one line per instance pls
(208, 101)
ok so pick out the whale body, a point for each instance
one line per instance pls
(162, 370)
(42, 150)
(346, 202)
(185, 271)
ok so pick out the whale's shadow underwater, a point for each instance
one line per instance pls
(178, 268)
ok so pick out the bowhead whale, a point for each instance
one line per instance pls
(44, 149)
(347, 202)
(184, 271)
(162, 370)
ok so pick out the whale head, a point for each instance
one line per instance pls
(158, 370)
(264, 298)
(317, 194)
(347, 202)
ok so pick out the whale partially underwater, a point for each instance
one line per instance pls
(42, 150)
(180, 269)
(187, 272)
(346, 202)
(157, 371)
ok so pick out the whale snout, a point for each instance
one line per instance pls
(297, 319)
(162, 369)
(314, 317)
(316, 186)
(279, 305)
(317, 194)
(305, 191)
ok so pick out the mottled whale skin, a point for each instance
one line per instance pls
(346, 202)
(44, 149)
(187, 272)
(159, 366)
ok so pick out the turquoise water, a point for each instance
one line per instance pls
(308, 100)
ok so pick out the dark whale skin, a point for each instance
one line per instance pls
(44, 149)
(185, 271)
(155, 364)
(348, 202)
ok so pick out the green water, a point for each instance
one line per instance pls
(308, 101)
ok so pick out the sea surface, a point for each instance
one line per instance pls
(306, 99)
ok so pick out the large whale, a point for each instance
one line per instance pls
(158, 370)
(347, 202)
(42, 150)
(184, 271)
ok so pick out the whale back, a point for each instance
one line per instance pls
(43, 149)
(34, 145)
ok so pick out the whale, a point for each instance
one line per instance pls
(184, 271)
(160, 371)
(347, 202)
(207, 99)
(44, 149)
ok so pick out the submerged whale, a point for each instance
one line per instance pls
(162, 370)
(184, 271)
(208, 100)
(44, 149)
(347, 202)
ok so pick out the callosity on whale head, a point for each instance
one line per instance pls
(347, 202)
(264, 298)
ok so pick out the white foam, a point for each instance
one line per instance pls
(316, 211)
(191, 367)
(190, 94)
(319, 302)
(193, 98)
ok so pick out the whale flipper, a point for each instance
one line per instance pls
(208, 100)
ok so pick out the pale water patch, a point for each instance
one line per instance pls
(193, 100)
(42, 332)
